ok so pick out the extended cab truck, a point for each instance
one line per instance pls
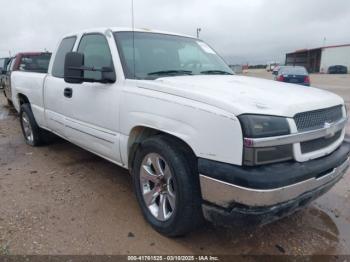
(197, 139)
(34, 62)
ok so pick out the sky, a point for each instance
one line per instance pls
(250, 31)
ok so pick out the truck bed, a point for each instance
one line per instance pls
(30, 84)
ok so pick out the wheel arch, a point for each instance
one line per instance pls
(140, 133)
(20, 100)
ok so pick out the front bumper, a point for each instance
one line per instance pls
(230, 191)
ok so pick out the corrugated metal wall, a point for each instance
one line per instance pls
(335, 56)
(310, 59)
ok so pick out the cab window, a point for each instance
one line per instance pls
(65, 47)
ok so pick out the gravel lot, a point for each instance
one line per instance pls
(60, 199)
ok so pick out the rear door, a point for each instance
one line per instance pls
(54, 99)
(92, 118)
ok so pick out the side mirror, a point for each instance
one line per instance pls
(3, 71)
(74, 69)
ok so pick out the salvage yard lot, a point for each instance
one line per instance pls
(60, 199)
(339, 84)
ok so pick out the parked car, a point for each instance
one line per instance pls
(197, 140)
(3, 65)
(25, 62)
(293, 75)
(337, 69)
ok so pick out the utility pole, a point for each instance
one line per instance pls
(198, 31)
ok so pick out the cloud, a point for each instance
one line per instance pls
(254, 31)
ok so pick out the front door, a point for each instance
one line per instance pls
(92, 112)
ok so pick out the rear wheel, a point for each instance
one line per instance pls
(167, 186)
(33, 134)
(9, 102)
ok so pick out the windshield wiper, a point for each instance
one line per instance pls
(215, 72)
(171, 72)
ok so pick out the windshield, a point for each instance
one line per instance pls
(293, 71)
(159, 55)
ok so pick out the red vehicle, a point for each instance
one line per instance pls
(27, 62)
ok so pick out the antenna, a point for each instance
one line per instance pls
(133, 37)
(198, 31)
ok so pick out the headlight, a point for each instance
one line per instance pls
(346, 110)
(257, 126)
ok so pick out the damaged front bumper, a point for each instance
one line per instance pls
(238, 195)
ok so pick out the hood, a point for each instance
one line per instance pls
(245, 95)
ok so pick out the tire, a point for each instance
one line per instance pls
(182, 211)
(9, 102)
(33, 134)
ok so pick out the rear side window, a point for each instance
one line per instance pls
(35, 63)
(96, 54)
(65, 47)
(293, 71)
(2, 63)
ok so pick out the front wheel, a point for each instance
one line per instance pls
(167, 186)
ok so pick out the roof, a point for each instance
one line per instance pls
(318, 48)
(31, 53)
(105, 30)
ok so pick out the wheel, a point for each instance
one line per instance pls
(32, 133)
(9, 102)
(167, 186)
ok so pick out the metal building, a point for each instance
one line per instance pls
(318, 60)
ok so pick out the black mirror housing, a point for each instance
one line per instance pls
(73, 68)
(108, 75)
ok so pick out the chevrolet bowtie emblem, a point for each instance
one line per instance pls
(330, 129)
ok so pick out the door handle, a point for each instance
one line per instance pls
(68, 92)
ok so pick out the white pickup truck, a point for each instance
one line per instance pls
(199, 141)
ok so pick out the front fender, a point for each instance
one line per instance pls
(210, 132)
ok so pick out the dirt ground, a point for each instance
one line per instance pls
(60, 199)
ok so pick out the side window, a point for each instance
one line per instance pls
(65, 47)
(35, 63)
(96, 54)
(2, 63)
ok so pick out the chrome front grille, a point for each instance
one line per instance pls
(320, 143)
(316, 119)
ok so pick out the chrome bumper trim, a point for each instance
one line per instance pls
(224, 194)
(296, 138)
